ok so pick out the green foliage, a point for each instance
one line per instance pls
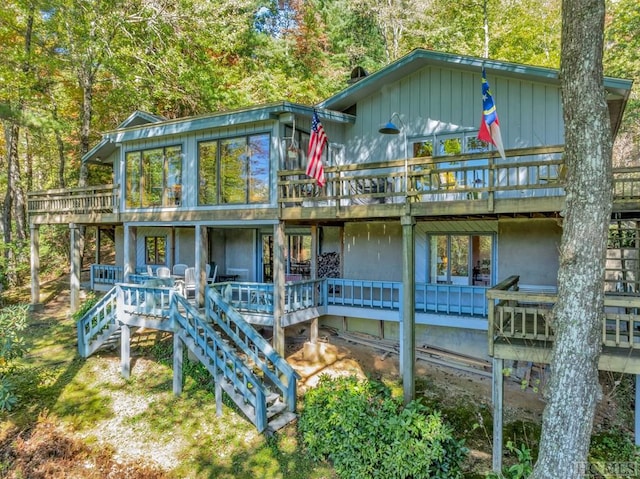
(13, 321)
(366, 432)
(613, 445)
(523, 466)
(86, 305)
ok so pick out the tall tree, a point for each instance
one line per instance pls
(574, 388)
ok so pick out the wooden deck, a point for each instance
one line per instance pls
(529, 181)
(520, 327)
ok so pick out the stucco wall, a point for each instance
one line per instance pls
(529, 248)
(373, 251)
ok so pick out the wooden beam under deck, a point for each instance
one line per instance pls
(611, 359)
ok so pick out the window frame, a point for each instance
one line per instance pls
(247, 170)
(170, 193)
(155, 239)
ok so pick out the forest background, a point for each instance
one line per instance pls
(72, 69)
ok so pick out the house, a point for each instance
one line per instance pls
(427, 236)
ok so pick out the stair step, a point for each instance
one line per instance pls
(276, 409)
(281, 421)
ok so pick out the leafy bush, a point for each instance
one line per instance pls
(367, 433)
(86, 305)
(13, 320)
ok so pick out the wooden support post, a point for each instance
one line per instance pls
(313, 325)
(218, 394)
(202, 240)
(74, 287)
(178, 355)
(497, 394)
(125, 350)
(637, 411)
(98, 243)
(278, 287)
(129, 267)
(408, 331)
(35, 305)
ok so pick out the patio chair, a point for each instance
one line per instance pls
(149, 270)
(179, 269)
(163, 272)
(212, 278)
(189, 281)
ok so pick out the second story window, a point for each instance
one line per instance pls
(154, 177)
(234, 170)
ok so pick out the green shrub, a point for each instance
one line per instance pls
(89, 302)
(13, 321)
(367, 433)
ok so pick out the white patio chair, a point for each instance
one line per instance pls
(212, 278)
(163, 272)
(189, 281)
(149, 270)
(179, 269)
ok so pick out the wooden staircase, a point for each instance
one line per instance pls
(243, 364)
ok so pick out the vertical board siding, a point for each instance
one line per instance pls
(437, 100)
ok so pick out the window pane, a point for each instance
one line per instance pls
(259, 169)
(233, 170)
(474, 145)
(155, 249)
(132, 176)
(439, 259)
(174, 175)
(207, 173)
(481, 259)
(152, 177)
(459, 260)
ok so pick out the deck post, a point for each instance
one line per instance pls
(202, 240)
(279, 245)
(129, 266)
(313, 324)
(35, 305)
(408, 326)
(497, 394)
(125, 350)
(74, 287)
(637, 411)
(178, 354)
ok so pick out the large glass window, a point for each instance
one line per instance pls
(460, 259)
(234, 170)
(154, 177)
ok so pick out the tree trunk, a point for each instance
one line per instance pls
(574, 389)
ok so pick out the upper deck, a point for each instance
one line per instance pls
(528, 182)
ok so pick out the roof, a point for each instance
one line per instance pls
(617, 89)
(101, 153)
(224, 118)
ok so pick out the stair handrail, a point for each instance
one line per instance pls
(96, 320)
(225, 316)
(228, 364)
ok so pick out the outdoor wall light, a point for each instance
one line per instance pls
(391, 129)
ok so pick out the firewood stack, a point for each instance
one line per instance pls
(329, 265)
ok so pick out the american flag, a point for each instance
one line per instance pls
(316, 144)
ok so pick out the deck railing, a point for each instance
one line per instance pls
(87, 200)
(250, 342)
(527, 172)
(526, 316)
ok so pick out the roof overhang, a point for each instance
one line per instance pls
(223, 119)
